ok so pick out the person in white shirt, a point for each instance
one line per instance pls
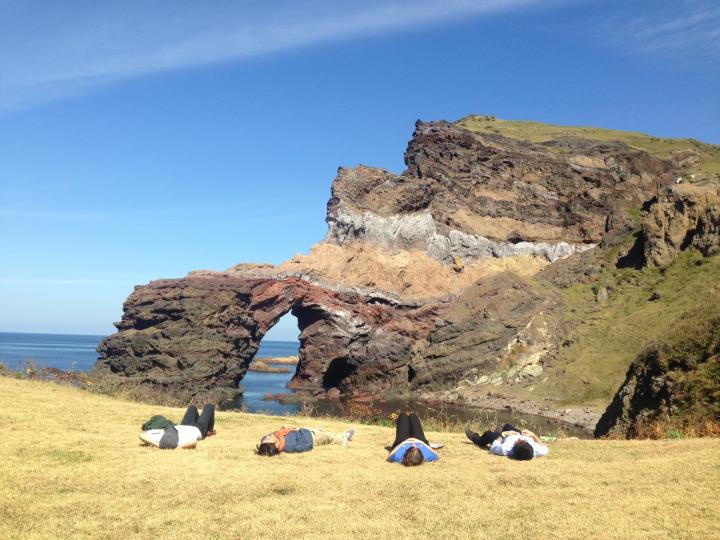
(172, 437)
(192, 428)
(514, 443)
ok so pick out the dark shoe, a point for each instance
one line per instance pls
(474, 437)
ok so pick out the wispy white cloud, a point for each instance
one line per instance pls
(681, 30)
(49, 51)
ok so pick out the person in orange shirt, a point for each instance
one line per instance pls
(293, 439)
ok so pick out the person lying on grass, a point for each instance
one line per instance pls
(514, 443)
(162, 433)
(292, 439)
(411, 447)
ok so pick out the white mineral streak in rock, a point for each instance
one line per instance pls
(419, 231)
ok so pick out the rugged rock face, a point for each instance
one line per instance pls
(469, 195)
(688, 216)
(408, 274)
(422, 281)
(676, 381)
(489, 329)
(201, 332)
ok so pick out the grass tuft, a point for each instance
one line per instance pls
(70, 456)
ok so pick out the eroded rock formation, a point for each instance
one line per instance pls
(689, 216)
(201, 332)
(421, 282)
(471, 195)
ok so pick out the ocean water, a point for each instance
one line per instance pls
(77, 353)
(72, 352)
(256, 384)
(64, 351)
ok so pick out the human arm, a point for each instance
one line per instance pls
(541, 450)
(502, 447)
(539, 447)
(534, 437)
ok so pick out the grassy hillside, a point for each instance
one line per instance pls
(71, 466)
(709, 154)
(674, 383)
(609, 334)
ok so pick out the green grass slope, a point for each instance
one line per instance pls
(674, 384)
(708, 169)
(605, 336)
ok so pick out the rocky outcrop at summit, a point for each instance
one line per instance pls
(470, 195)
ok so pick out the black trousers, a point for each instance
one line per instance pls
(204, 422)
(407, 427)
(487, 438)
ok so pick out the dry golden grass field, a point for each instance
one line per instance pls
(71, 465)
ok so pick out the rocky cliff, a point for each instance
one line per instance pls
(689, 216)
(427, 280)
(473, 195)
(199, 334)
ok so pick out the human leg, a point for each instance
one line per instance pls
(402, 429)
(508, 427)
(487, 438)
(206, 422)
(191, 416)
(416, 430)
(321, 437)
(484, 440)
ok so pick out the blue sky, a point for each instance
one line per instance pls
(141, 140)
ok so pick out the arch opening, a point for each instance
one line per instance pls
(271, 369)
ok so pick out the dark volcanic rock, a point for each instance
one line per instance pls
(200, 333)
(480, 324)
(469, 195)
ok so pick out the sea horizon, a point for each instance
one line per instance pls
(103, 336)
(53, 334)
(76, 352)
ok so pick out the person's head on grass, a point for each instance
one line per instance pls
(413, 457)
(522, 451)
(269, 446)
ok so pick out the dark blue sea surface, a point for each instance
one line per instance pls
(64, 351)
(77, 353)
(256, 384)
